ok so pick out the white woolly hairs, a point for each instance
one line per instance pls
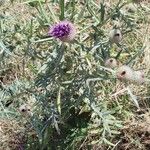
(115, 36)
(139, 77)
(126, 73)
(111, 63)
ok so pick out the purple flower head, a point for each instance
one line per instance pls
(63, 30)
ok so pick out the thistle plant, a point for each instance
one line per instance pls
(64, 73)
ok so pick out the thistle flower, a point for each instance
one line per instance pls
(111, 63)
(24, 109)
(125, 73)
(128, 74)
(115, 36)
(64, 30)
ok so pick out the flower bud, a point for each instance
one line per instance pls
(115, 36)
(24, 109)
(125, 73)
(128, 74)
(111, 63)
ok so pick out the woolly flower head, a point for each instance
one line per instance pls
(111, 63)
(115, 36)
(64, 30)
(128, 74)
(125, 73)
(24, 109)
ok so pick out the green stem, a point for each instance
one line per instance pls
(62, 9)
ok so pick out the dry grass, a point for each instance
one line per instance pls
(11, 135)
